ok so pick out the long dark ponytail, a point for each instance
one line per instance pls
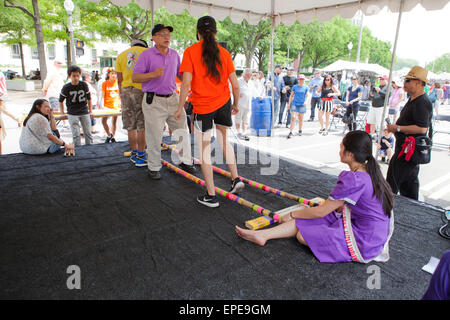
(206, 27)
(35, 109)
(360, 144)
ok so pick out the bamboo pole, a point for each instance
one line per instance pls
(224, 193)
(254, 184)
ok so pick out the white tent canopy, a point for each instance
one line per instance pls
(285, 11)
(355, 66)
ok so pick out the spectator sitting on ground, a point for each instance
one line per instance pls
(385, 146)
(39, 134)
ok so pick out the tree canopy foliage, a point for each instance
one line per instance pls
(315, 44)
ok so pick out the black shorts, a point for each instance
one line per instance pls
(221, 116)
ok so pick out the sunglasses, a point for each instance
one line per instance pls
(328, 79)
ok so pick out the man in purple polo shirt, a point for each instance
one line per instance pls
(157, 69)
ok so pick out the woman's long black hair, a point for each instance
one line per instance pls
(360, 144)
(35, 109)
(206, 27)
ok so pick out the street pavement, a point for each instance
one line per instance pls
(311, 149)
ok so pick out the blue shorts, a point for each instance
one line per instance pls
(299, 109)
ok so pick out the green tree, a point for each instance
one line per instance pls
(35, 15)
(16, 28)
(401, 63)
(380, 52)
(441, 64)
(244, 37)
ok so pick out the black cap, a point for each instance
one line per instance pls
(278, 66)
(206, 22)
(159, 27)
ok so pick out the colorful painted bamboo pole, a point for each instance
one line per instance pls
(264, 221)
(254, 183)
(223, 193)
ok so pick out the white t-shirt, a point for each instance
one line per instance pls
(245, 94)
(94, 96)
(54, 83)
(33, 138)
(259, 89)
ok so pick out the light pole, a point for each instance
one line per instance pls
(350, 46)
(69, 6)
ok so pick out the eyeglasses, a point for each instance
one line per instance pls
(328, 79)
(165, 35)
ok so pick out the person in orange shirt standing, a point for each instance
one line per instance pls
(111, 100)
(206, 69)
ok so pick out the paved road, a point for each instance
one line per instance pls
(322, 153)
(311, 149)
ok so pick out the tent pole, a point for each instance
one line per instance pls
(386, 99)
(271, 60)
(152, 4)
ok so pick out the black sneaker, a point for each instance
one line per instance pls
(188, 168)
(108, 139)
(236, 185)
(112, 139)
(383, 159)
(154, 175)
(209, 201)
(299, 132)
(290, 135)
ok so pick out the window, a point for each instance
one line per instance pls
(51, 51)
(15, 51)
(94, 54)
(105, 53)
(34, 53)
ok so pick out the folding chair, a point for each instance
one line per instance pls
(364, 107)
(336, 115)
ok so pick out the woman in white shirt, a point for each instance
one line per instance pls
(39, 134)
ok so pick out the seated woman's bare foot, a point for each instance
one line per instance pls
(250, 235)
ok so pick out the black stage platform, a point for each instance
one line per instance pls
(134, 238)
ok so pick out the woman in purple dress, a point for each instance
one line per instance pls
(329, 230)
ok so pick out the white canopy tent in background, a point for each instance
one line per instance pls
(287, 12)
(356, 66)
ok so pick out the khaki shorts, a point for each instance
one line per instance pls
(132, 115)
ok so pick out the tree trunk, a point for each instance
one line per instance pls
(68, 53)
(40, 41)
(22, 60)
(300, 60)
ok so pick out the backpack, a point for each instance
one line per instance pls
(432, 96)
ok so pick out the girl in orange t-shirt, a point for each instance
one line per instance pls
(111, 100)
(206, 69)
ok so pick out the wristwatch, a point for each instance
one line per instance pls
(398, 128)
(64, 144)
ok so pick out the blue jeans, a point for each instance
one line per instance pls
(315, 102)
(282, 107)
(54, 147)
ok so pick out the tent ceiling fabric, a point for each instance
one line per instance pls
(285, 11)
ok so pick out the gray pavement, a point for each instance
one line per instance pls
(311, 149)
